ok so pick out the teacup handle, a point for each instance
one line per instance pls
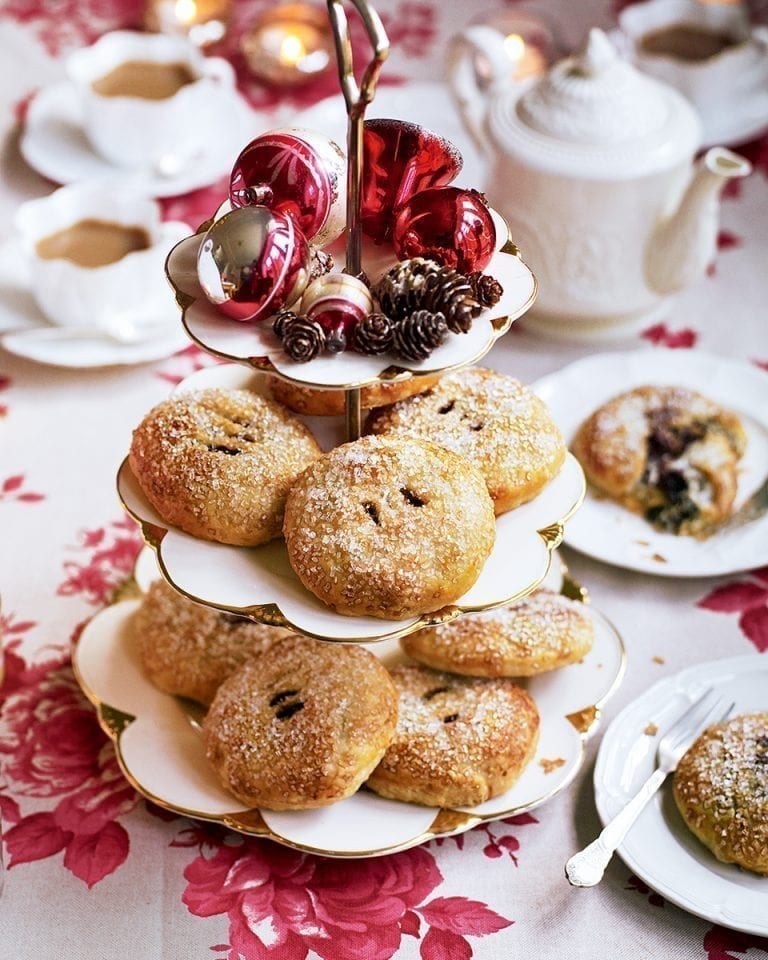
(470, 97)
(219, 69)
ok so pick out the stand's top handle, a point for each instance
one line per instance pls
(357, 97)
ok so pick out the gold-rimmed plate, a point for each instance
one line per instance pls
(255, 345)
(159, 748)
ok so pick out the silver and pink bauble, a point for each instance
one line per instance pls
(338, 302)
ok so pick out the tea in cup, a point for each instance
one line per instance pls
(148, 100)
(95, 252)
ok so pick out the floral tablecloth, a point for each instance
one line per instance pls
(95, 871)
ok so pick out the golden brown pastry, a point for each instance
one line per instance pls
(499, 425)
(540, 633)
(389, 527)
(189, 649)
(459, 740)
(721, 790)
(218, 463)
(302, 725)
(667, 453)
(330, 403)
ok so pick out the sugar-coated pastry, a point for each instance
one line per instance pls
(499, 425)
(218, 463)
(311, 401)
(189, 649)
(459, 740)
(721, 790)
(302, 725)
(668, 453)
(540, 633)
(389, 527)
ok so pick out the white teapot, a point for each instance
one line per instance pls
(591, 166)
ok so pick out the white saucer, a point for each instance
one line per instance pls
(744, 120)
(54, 144)
(659, 848)
(428, 104)
(25, 332)
(606, 531)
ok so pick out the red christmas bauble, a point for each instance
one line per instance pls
(297, 172)
(447, 224)
(252, 262)
(399, 160)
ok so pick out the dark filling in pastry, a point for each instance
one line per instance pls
(666, 445)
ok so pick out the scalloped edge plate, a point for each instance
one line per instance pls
(660, 849)
(604, 529)
(159, 748)
(259, 582)
(257, 346)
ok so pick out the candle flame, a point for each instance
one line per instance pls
(514, 46)
(186, 11)
(292, 50)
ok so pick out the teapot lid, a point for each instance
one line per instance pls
(600, 105)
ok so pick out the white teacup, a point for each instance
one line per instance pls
(131, 290)
(717, 82)
(132, 129)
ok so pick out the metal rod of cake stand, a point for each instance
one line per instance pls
(356, 97)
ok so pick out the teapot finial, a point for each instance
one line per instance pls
(596, 53)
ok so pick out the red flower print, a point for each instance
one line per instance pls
(282, 903)
(5, 383)
(411, 27)
(113, 550)
(186, 362)
(68, 23)
(722, 944)
(661, 336)
(636, 884)
(196, 207)
(727, 240)
(748, 598)
(11, 489)
(763, 364)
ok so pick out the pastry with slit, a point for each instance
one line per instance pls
(302, 725)
(721, 790)
(493, 421)
(189, 649)
(667, 453)
(543, 632)
(459, 740)
(389, 527)
(218, 464)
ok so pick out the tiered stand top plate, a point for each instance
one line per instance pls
(259, 582)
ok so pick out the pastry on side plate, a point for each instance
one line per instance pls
(459, 740)
(188, 649)
(389, 527)
(540, 633)
(494, 421)
(302, 725)
(721, 790)
(219, 463)
(668, 453)
(313, 402)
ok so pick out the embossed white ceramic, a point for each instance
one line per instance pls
(732, 82)
(591, 166)
(660, 849)
(136, 132)
(131, 290)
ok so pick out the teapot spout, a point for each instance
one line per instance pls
(682, 245)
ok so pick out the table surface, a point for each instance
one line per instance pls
(89, 864)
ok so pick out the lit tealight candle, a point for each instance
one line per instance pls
(289, 45)
(527, 60)
(203, 21)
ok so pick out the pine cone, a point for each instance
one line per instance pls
(320, 263)
(303, 339)
(282, 318)
(373, 334)
(450, 293)
(417, 335)
(399, 290)
(486, 289)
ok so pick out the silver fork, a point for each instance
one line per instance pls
(587, 867)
